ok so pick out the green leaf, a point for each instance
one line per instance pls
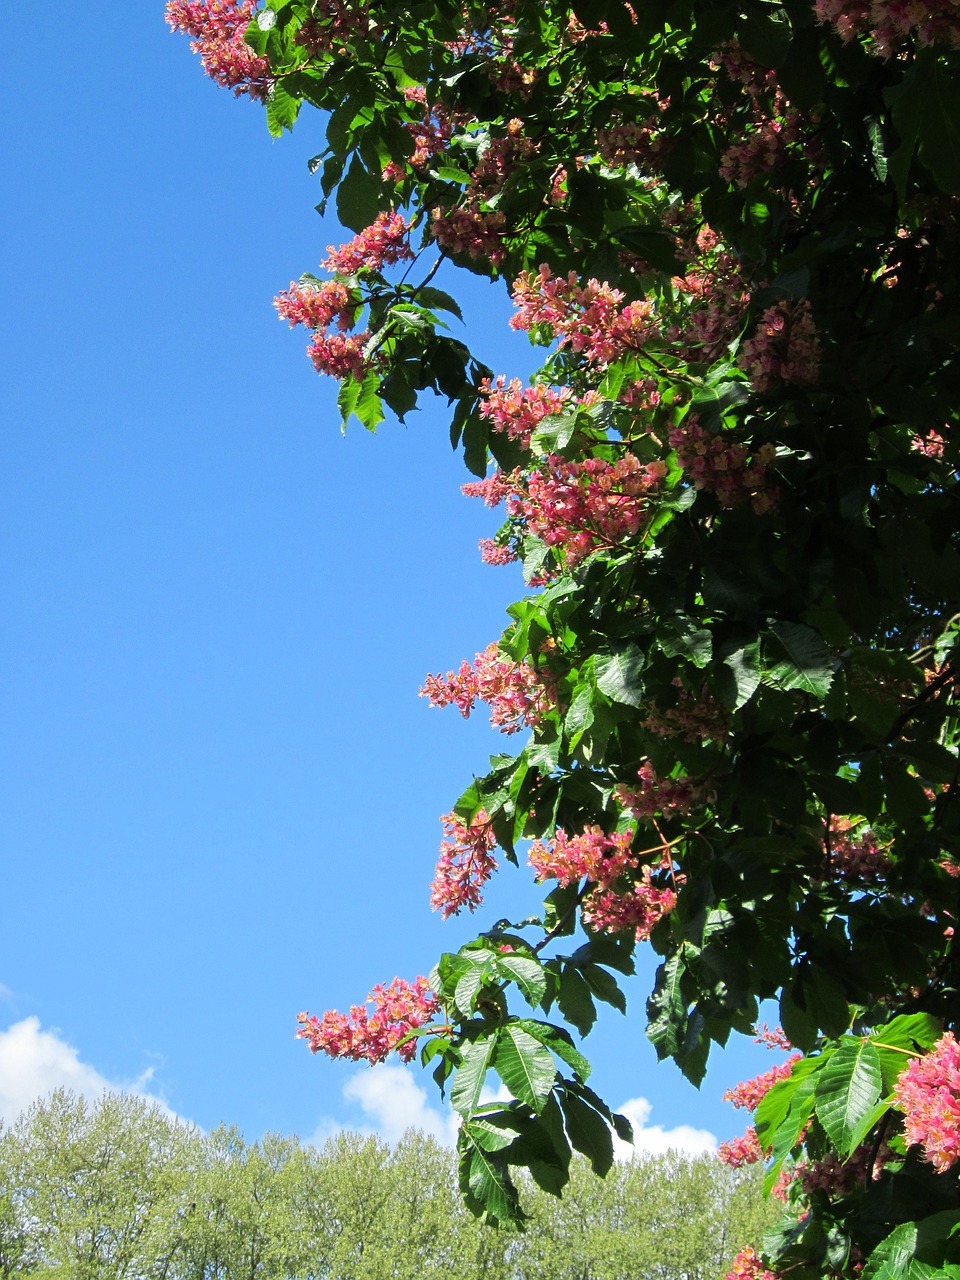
(739, 676)
(589, 1133)
(476, 1060)
(604, 986)
(580, 715)
(527, 974)
(808, 665)
(282, 110)
(575, 1001)
(931, 1241)
(559, 1042)
(903, 1038)
(486, 1180)
(618, 675)
(524, 1065)
(358, 197)
(848, 1088)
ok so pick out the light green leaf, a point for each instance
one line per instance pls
(848, 1089)
(618, 675)
(472, 1072)
(524, 1065)
(559, 1042)
(527, 974)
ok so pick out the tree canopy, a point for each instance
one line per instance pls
(116, 1190)
(732, 227)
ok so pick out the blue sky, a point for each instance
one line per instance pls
(219, 793)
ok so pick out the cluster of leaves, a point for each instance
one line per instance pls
(772, 649)
(116, 1189)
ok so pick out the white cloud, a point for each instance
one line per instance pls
(34, 1062)
(393, 1101)
(653, 1139)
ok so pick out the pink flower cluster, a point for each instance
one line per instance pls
(217, 28)
(385, 242)
(892, 23)
(928, 1094)
(494, 489)
(472, 227)
(398, 1009)
(748, 1094)
(772, 1039)
(748, 1266)
(471, 230)
(515, 410)
(465, 864)
(725, 467)
(695, 717)
(855, 853)
(638, 908)
(591, 856)
(604, 861)
(785, 348)
(517, 695)
(332, 24)
(318, 306)
(658, 797)
(340, 354)
(588, 319)
(759, 151)
(581, 506)
(740, 1151)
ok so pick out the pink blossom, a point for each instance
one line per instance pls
(638, 908)
(494, 489)
(398, 1009)
(218, 28)
(340, 355)
(785, 348)
(518, 696)
(580, 506)
(497, 553)
(656, 796)
(750, 1093)
(317, 306)
(516, 410)
(775, 1039)
(586, 318)
(470, 230)
(465, 864)
(891, 23)
(855, 853)
(747, 1266)
(725, 467)
(384, 243)
(592, 856)
(740, 1151)
(928, 1093)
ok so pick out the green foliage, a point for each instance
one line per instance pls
(753, 679)
(116, 1189)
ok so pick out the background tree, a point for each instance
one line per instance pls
(732, 486)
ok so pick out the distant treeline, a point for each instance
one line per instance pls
(116, 1190)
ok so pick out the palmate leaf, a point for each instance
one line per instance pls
(848, 1089)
